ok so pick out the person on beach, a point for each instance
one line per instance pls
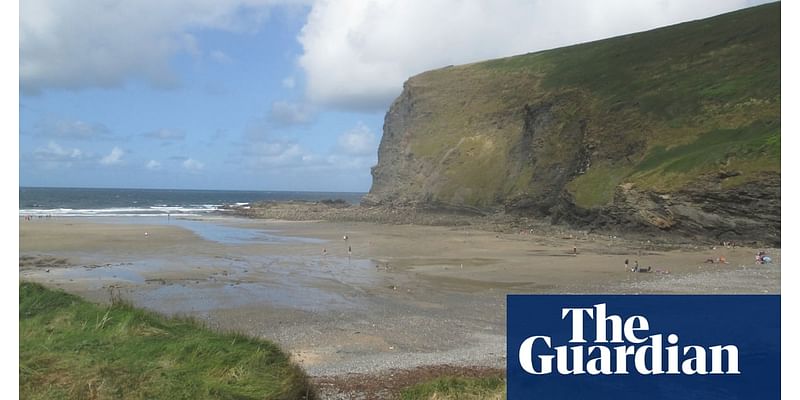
(627, 266)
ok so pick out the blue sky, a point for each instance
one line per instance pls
(261, 94)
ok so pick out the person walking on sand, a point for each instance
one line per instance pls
(627, 266)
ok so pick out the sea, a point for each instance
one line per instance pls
(96, 202)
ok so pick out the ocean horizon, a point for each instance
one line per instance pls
(132, 202)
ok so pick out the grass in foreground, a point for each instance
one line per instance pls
(70, 348)
(447, 388)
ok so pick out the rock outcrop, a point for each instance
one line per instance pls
(670, 131)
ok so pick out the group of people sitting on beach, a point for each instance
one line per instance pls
(718, 260)
(637, 268)
(763, 258)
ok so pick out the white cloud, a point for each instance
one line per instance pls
(359, 141)
(288, 82)
(356, 54)
(285, 113)
(276, 154)
(220, 57)
(54, 152)
(165, 134)
(153, 165)
(355, 150)
(54, 156)
(193, 165)
(74, 44)
(72, 129)
(349, 163)
(113, 158)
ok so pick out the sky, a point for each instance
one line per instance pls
(262, 94)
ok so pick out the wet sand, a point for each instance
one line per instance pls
(406, 297)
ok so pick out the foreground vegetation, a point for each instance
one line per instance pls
(446, 388)
(70, 348)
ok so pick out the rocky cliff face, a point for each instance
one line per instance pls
(675, 130)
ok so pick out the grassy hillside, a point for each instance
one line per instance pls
(686, 106)
(70, 348)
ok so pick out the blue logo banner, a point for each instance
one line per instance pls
(643, 347)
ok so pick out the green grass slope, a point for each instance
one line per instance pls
(73, 349)
(457, 388)
(661, 111)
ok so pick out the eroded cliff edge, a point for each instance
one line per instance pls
(670, 131)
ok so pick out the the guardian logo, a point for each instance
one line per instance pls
(633, 347)
(622, 346)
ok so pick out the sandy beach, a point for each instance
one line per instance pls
(405, 296)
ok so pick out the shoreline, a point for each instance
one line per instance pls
(408, 296)
(496, 221)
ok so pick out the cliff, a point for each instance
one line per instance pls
(674, 130)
